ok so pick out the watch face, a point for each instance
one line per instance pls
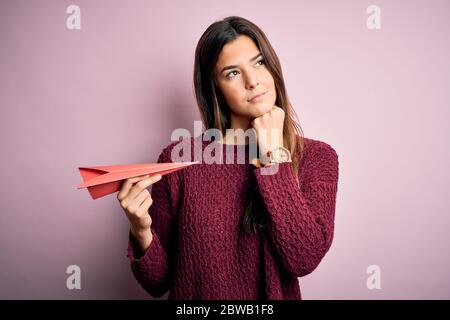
(281, 153)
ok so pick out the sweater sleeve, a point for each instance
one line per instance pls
(152, 270)
(301, 219)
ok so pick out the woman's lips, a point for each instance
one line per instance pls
(257, 97)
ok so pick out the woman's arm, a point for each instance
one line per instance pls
(301, 222)
(152, 267)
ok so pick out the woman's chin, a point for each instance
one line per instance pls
(259, 110)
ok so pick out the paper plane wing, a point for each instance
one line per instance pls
(103, 180)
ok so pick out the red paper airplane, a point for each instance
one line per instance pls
(104, 180)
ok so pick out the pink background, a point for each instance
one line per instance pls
(112, 93)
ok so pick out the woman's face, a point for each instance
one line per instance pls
(247, 77)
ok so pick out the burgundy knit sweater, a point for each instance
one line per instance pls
(198, 251)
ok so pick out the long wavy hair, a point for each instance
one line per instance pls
(215, 112)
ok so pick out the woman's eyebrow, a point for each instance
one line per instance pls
(234, 66)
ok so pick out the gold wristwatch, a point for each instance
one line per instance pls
(277, 155)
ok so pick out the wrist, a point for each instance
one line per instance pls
(143, 237)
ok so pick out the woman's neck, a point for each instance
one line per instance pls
(237, 122)
(233, 139)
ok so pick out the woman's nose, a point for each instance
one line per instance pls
(251, 82)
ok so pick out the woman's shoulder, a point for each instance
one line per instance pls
(320, 160)
(165, 154)
(315, 147)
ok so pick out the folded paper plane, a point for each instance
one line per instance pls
(103, 180)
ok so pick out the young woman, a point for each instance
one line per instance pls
(231, 230)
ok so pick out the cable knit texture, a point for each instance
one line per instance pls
(198, 251)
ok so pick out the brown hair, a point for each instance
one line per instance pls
(215, 112)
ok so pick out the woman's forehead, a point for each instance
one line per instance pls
(238, 52)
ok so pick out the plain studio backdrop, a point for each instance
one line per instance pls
(112, 92)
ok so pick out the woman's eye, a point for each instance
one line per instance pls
(228, 75)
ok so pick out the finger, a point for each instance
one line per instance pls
(149, 181)
(139, 186)
(127, 186)
(146, 204)
(141, 197)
